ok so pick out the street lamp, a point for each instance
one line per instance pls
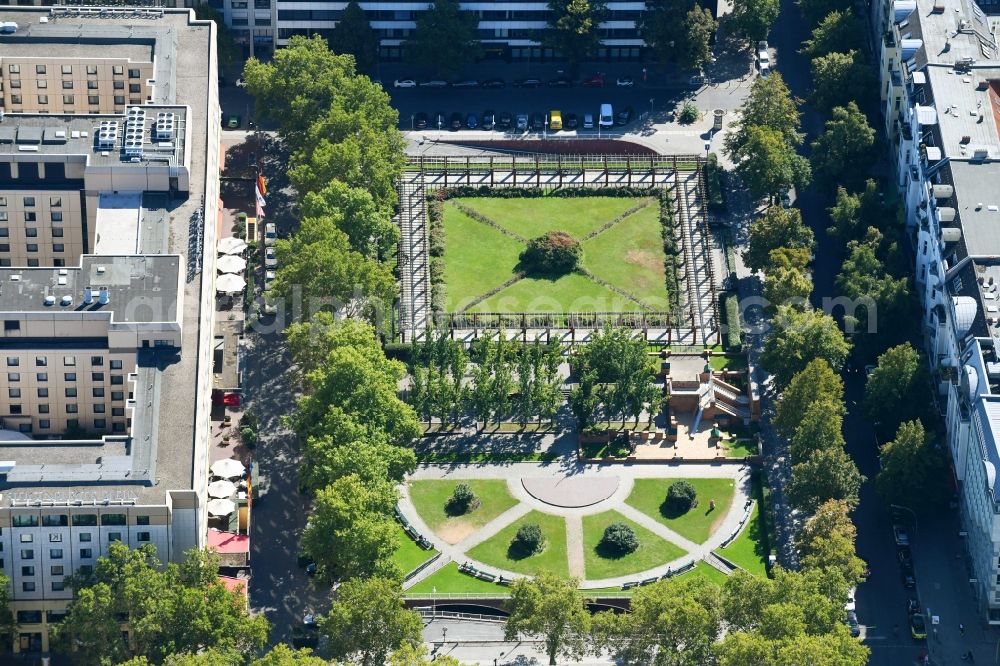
(444, 636)
(411, 122)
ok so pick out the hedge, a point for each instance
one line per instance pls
(535, 192)
(731, 312)
(714, 186)
(671, 250)
(435, 248)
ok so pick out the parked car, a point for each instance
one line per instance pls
(909, 582)
(763, 58)
(918, 626)
(588, 121)
(555, 120)
(465, 83)
(434, 83)
(270, 258)
(455, 123)
(624, 116)
(851, 602)
(537, 122)
(901, 535)
(233, 121)
(905, 557)
(493, 83)
(594, 81)
(607, 117)
(404, 83)
(269, 279)
(270, 233)
(852, 624)
(527, 83)
(240, 83)
(471, 121)
(440, 120)
(270, 307)
(505, 120)
(420, 121)
(571, 121)
(489, 120)
(625, 82)
(522, 122)
(561, 82)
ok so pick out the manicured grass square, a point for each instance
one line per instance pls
(477, 258)
(569, 293)
(749, 550)
(449, 580)
(630, 256)
(409, 555)
(599, 563)
(496, 551)
(708, 572)
(697, 524)
(530, 218)
(430, 498)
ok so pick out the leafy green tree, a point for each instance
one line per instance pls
(367, 622)
(815, 382)
(777, 228)
(354, 36)
(768, 164)
(282, 655)
(699, 29)
(549, 607)
(687, 42)
(351, 532)
(864, 279)
(583, 400)
(820, 428)
(411, 654)
(173, 609)
(816, 595)
(369, 227)
(620, 363)
(841, 78)
(913, 471)
(799, 337)
(852, 214)
(770, 104)
(786, 285)
(318, 265)
(897, 389)
(840, 154)
(815, 10)
(310, 342)
(573, 29)
(839, 30)
(752, 19)
(827, 540)
(445, 38)
(438, 366)
(347, 447)
(298, 86)
(671, 623)
(826, 474)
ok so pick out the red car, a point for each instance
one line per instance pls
(595, 81)
(232, 399)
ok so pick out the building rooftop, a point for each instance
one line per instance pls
(977, 201)
(963, 111)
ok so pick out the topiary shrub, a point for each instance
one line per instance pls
(681, 497)
(528, 541)
(689, 113)
(619, 539)
(555, 253)
(462, 501)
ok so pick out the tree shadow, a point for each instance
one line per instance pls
(517, 551)
(609, 552)
(672, 510)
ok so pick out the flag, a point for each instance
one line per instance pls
(261, 185)
(260, 210)
(260, 197)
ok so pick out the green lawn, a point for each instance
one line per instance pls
(477, 258)
(430, 497)
(652, 550)
(409, 555)
(630, 256)
(741, 448)
(448, 579)
(697, 524)
(573, 292)
(708, 572)
(721, 362)
(531, 218)
(751, 547)
(495, 551)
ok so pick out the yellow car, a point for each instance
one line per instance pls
(555, 120)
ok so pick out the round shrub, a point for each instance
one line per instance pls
(528, 540)
(681, 496)
(619, 539)
(689, 113)
(462, 500)
(555, 253)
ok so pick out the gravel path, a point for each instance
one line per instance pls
(574, 546)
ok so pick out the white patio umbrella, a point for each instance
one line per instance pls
(230, 263)
(221, 489)
(228, 468)
(230, 284)
(221, 507)
(231, 245)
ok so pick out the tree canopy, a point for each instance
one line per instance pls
(354, 36)
(825, 474)
(752, 19)
(797, 338)
(777, 228)
(913, 471)
(550, 608)
(839, 30)
(815, 10)
(770, 104)
(827, 540)
(840, 154)
(573, 29)
(368, 226)
(445, 38)
(687, 42)
(368, 622)
(875, 293)
(768, 164)
(897, 389)
(169, 610)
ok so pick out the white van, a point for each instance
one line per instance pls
(607, 117)
(270, 233)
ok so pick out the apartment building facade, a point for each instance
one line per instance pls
(939, 83)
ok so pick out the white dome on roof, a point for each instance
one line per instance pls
(965, 313)
(971, 380)
(991, 473)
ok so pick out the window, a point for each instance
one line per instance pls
(68, 99)
(55, 616)
(67, 69)
(58, 247)
(5, 247)
(57, 570)
(13, 361)
(43, 392)
(57, 216)
(14, 393)
(72, 423)
(27, 554)
(55, 520)
(14, 69)
(98, 392)
(42, 376)
(11, 325)
(99, 409)
(43, 409)
(15, 84)
(15, 409)
(134, 73)
(134, 88)
(4, 232)
(85, 569)
(117, 380)
(117, 395)
(119, 99)
(44, 424)
(71, 393)
(41, 361)
(72, 408)
(69, 376)
(30, 216)
(24, 520)
(27, 587)
(56, 553)
(97, 376)
(39, 69)
(29, 202)
(58, 586)
(114, 536)
(55, 537)
(91, 85)
(86, 536)
(15, 99)
(86, 553)
(92, 70)
(43, 99)
(142, 536)
(118, 69)
(119, 85)
(117, 411)
(32, 247)
(57, 233)
(67, 85)
(13, 376)
(100, 424)
(116, 364)
(142, 520)
(27, 571)
(93, 99)
(42, 83)
(31, 232)
(113, 519)
(28, 538)
(118, 427)
(29, 616)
